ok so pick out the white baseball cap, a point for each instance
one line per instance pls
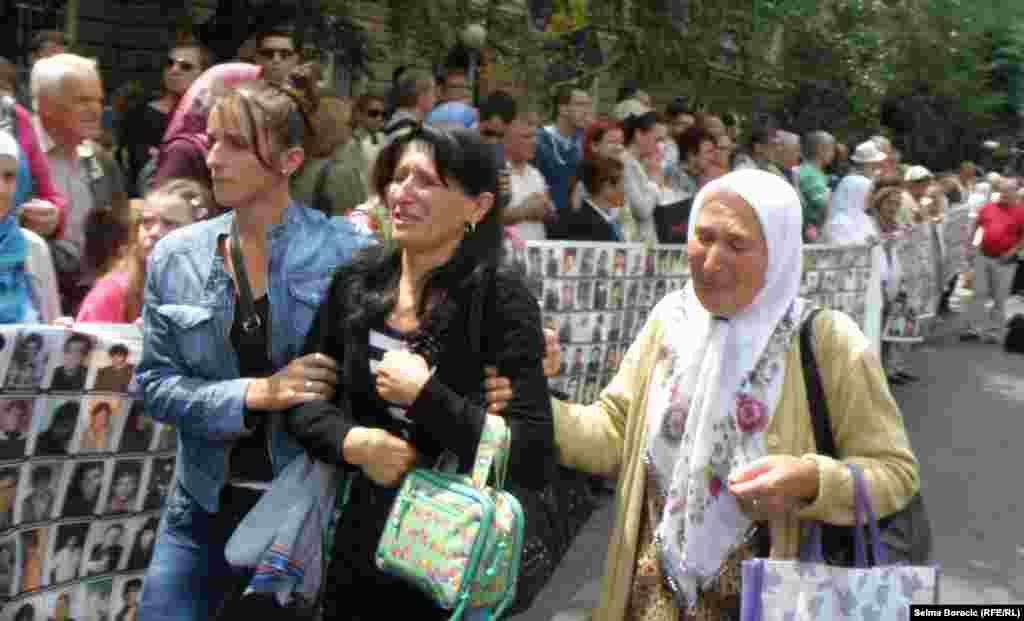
(868, 153)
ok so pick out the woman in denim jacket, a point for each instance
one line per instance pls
(218, 368)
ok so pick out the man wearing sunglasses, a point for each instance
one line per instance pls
(277, 54)
(367, 122)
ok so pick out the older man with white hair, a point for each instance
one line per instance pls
(788, 154)
(68, 96)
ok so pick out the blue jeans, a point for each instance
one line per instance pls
(189, 579)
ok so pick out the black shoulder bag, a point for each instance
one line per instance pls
(907, 533)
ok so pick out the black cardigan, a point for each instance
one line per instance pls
(449, 411)
(448, 414)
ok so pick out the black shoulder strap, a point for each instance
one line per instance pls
(251, 321)
(818, 405)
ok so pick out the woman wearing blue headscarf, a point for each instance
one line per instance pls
(28, 283)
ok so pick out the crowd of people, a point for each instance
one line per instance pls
(301, 264)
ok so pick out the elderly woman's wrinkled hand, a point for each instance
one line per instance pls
(773, 487)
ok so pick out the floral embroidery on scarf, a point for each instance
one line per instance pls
(736, 437)
(751, 414)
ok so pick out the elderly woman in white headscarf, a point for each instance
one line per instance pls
(848, 221)
(707, 425)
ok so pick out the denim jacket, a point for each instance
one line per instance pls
(189, 372)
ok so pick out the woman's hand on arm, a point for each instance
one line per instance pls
(309, 378)
(498, 390)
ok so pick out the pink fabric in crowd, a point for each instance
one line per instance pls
(39, 166)
(185, 145)
(105, 302)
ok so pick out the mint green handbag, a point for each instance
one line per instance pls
(455, 538)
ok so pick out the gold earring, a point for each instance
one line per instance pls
(470, 228)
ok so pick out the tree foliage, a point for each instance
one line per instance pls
(911, 67)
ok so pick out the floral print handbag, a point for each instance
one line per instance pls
(810, 590)
(455, 538)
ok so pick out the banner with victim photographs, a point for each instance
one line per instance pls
(83, 474)
(956, 236)
(597, 296)
(915, 298)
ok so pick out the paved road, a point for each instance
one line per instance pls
(966, 423)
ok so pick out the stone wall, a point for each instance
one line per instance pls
(129, 39)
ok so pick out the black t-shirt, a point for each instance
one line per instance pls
(143, 128)
(250, 458)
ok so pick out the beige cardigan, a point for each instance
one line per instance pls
(610, 437)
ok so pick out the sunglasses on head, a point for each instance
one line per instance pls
(268, 53)
(492, 133)
(375, 113)
(183, 64)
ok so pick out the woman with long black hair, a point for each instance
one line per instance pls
(399, 322)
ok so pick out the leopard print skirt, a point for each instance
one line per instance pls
(651, 597)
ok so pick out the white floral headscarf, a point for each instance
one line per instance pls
(715, 389)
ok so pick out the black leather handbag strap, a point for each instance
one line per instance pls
(251, 322)
(816, 401)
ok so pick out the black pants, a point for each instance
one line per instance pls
(1018, 280)
(235, 504)
(948, 293)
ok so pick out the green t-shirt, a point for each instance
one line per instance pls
(814, 191)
